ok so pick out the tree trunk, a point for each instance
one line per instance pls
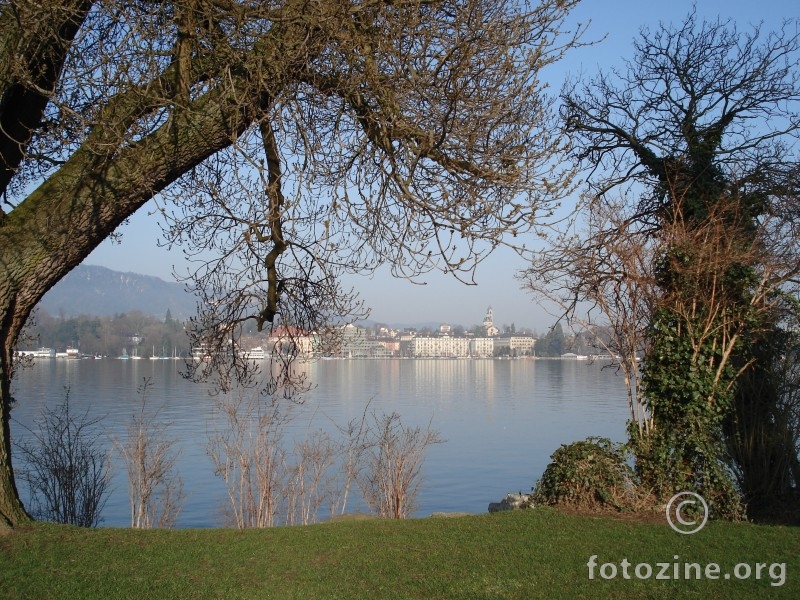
(70, 214)
(25, 30)
(12, 512)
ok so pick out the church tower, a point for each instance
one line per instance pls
(488, 323)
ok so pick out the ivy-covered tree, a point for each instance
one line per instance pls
(689, 243)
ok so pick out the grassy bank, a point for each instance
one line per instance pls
(534, 554)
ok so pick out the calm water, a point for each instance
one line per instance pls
(501, 418)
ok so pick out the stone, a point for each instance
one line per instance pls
(511, 502)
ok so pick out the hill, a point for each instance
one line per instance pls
(98, 291)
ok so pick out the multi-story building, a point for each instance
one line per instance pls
(405, 347)
(516, 345)
(391, 345)
(481, 346)
(355, 344)
(290, 340)
(442, 346)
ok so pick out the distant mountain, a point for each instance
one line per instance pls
(98, 291)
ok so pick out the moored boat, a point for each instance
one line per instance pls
(257, 353)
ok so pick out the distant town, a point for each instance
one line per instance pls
(135, 336)
(380, 341)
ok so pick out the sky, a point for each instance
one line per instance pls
(443, 299)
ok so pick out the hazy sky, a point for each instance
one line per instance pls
(442, 298)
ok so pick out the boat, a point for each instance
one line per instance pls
(161, 356)
(257, 353)
(201, 353)
(40, 353)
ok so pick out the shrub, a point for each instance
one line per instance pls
(65, 467)
(155, 490)
(593, 473)
(392, 457)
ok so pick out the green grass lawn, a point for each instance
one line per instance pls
(532, 554)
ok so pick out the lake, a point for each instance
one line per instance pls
(501, 419)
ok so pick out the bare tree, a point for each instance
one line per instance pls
(154, 489)
(289, 141)
(598, 271)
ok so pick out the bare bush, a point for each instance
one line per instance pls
(392, 458)
(155, 490)
(247, 455)
(351, 458)
(311, 483)
(65, 468)
(268, 485)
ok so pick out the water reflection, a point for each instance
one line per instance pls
(501, 418)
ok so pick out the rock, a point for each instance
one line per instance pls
(511, 502)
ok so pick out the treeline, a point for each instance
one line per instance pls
(132, 332)
(555, 342)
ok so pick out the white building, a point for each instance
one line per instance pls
(481, 346)
(518, 345)
(444, 346)
(354, 342)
